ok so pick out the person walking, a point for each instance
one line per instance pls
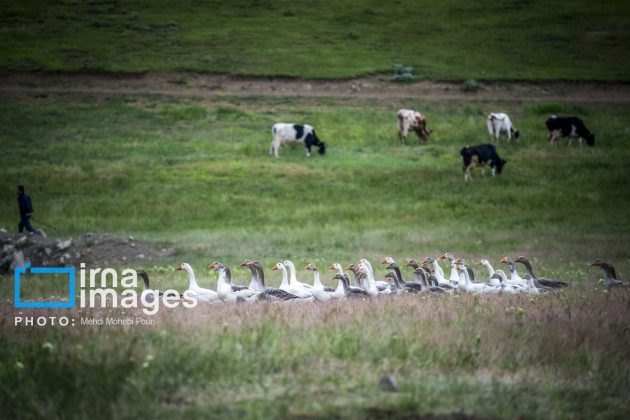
(26, 210)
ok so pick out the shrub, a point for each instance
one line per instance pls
(403, 74)
(470, 85)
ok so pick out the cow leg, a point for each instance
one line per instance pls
(492, 171)
(308, 151)
(467, 175)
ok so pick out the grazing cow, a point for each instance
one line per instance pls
(568, 127)
(295, 134)
(480, 155)
(500, 123)
(410, 119)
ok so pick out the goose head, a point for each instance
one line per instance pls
(352, 267)
(597, 263)
(391, 275)
(505, 260)
(310, 267)
(447, 256)
(336, 266)
(288, 264)
(429, 260)
(483, 261)
(216, 266)
(388, 260)
(280, 266)
(411, 263)
(184, 266)
(245, 263)
(521, 259)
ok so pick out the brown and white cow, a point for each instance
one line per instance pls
(409, 119)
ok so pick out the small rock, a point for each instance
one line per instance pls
(141, 256)
(124, 258)
(18, 260)
(388, 384)
(61, 245)
(3, 230)
(47, 251)
(21, 241)
(131, 238)
(65, 257)
(132, 245)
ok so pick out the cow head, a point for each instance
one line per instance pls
(515, 133)
(322, 148)
(499, 165)
(590, 139)
(466, 154)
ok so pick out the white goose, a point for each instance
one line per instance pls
(285, 285)
(319, 291)
(468, 286)
(437, 270)
(381, 285)
(515, 278)
(202, 295)
(293, 281)
(226, 290)
(454, 276)
(494, 282)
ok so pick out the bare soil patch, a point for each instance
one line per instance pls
(375, 87)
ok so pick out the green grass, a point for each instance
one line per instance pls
(197, 174)
(569, 40)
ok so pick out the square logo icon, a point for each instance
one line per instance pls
(69, 271)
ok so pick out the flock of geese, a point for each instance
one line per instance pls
(428, 278)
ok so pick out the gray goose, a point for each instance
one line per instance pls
(613, 273)
(401, 285)
(609, 280)
(551, 284)
(351, 292)
(421, 278)
(269, 293)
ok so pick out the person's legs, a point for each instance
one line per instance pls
(25, 222)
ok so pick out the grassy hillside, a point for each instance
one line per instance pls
(198, 174)
(486, 39)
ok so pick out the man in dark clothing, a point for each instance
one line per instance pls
(26, 210)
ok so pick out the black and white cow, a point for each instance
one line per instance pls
(295, 134)
(481, 155)
(568, 127)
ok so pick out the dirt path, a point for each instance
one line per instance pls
(366, 88)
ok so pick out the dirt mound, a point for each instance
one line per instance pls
(91, 249)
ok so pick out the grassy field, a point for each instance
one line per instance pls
(533, 39)
(197, 174)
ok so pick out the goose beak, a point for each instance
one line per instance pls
(594, 263)
(426, 260)
(244, 263)
(408, 263)
(384, 261)
(443, 256)
(275, 267)
(179, 267)
(348, 267)
(504, 260)
(480, 262)
(331, 266)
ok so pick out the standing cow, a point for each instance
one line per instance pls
(499, 123)
(409, 119)
(568, 127)
(295, 134)
(481, 155)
